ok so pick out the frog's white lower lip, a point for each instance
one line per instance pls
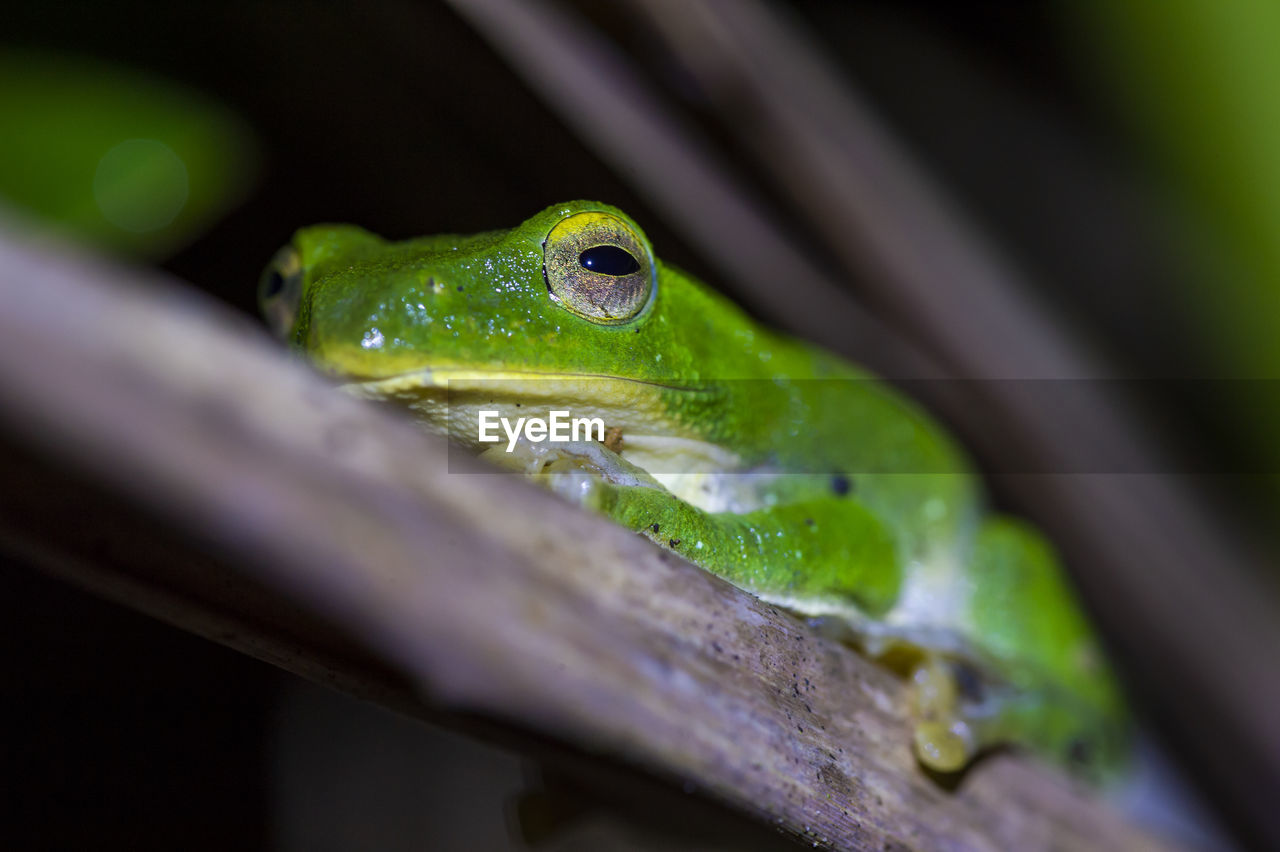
(536, 383)
(439, 393)
(448, 399)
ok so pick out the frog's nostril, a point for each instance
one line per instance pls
(280, 291)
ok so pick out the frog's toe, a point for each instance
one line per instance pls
(522, 457)
(576, 484)
(945, 746)
(945, 741)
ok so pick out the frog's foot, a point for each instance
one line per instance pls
(944, 739)
(957, 713)
(533, 459)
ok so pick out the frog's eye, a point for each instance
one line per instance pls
(598, 266)
(280, 291)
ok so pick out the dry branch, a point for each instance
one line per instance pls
(364, 555)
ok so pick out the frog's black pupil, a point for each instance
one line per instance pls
(609, 260)
(275, 284)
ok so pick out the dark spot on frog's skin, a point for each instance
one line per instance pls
(673, 542)
(808, 521)
(840, 485)
(655, 529)
(459, 288)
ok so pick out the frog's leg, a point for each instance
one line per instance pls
(823, 553)
(1052, 691)
(960, 714)
(830, 555)
(814, 554)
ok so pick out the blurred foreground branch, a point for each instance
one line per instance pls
(170, 457)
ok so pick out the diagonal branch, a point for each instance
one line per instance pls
(332, 539)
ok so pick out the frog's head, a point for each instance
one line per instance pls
(543, 296)
(569, 307)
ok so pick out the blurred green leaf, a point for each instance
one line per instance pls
(1201, 82)
(116, 158)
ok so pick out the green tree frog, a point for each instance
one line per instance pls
(783, 469)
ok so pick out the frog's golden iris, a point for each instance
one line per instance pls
(598, 267)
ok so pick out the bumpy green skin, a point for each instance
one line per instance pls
(844, 532)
